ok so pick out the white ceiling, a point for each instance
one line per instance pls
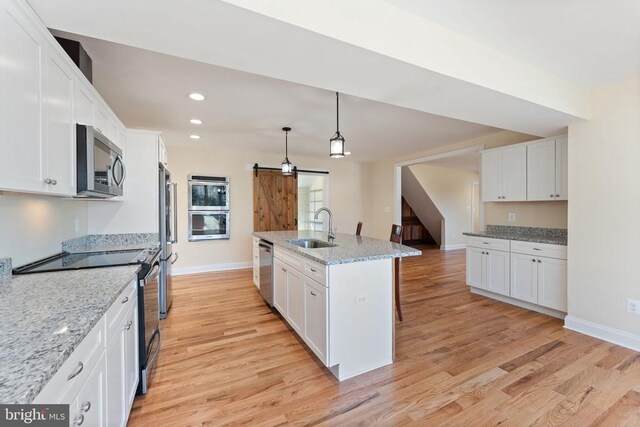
(466, 162)
(149, 90)
(590, 42)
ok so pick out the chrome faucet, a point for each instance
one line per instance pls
(331, 235)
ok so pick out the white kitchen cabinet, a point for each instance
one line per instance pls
(280, 286)
(60, 127)
(163, 156)
(22, 60)
(504, 174)
(547, 169)
(85, 104)
(295, 300)
(524, 277)
(89, 406)
(497, 272)
(102, 119)
(315, 318)
(552, 283)
(475, 267)
(256, 262)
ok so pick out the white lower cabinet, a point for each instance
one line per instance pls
(532, 272)
(295, 300)
(256, 262)
(315, 318)
(280, 286)
(99, 379)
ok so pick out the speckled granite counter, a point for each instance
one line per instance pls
(111, 242)
(349, 247)
(552, 236)
(44, 318)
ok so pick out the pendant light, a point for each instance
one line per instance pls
(287, 167)
(336, 144)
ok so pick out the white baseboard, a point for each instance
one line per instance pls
(211, 267)
(453, 247)
(519, 303)
(614, 336)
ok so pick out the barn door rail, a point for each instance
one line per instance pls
(257, 168)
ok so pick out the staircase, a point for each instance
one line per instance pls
(422, 205)
(414, 232)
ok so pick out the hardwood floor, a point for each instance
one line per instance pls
(461, 360)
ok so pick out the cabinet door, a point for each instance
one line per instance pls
(115, 355)
(497, 272)
(280, 287)
(524, 277)
(22, 61)
(85, 104)
(552, 283)
(162, 151)
(60, 125)
(491, 176)
(102, 118)
(91, 399)
(130, 353)
(315, 322)
(541, 170)
(562, 168)
(475, 267)
(514, 174)
(295, 300)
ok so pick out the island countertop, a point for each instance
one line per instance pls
(45, 316)
(349, 247)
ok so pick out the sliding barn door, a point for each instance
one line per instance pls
(275, 201)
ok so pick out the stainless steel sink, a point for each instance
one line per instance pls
(311, 243)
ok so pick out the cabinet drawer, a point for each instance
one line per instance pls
(289, 258)
(119, 308)
(316, 271)
(256, 255)
(539, 249)
(487, 243)
(64, 386)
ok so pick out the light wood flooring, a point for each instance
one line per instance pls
(461, 360)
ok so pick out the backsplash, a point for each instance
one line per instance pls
(96, 242)
(5, 268)
(529, 231)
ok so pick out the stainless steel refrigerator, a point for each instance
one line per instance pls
(168, 236)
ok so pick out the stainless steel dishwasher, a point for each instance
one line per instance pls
(266, 271)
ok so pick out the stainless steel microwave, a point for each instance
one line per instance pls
(100, 167)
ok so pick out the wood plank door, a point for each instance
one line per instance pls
(275, 201)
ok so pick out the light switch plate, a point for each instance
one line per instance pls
(512, 217)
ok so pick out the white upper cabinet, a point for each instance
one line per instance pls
(60, 129)
(547, 169)
(504, 174)
(22, 61)
(85, 105)
(163, 157)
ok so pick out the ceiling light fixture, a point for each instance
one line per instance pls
(196, 121)
(336, 144)
(287, 167)
(196, 96)
(194, 136)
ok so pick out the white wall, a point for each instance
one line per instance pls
(348, 199)
(451, 191)
(33, 227)
(604, 209)
(528, 214)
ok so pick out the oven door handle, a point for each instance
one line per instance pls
(152, 275)
(118, 159)
(151, 360)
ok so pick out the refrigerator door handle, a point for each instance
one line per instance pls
(174, 209)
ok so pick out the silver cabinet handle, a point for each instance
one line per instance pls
(79, 420)
(128, 325)
(537, 249)
(557, 195)
(86, 405)
(533, 260)
(313, 269)
(540, 261)
(486, 243)
(54, 182)
(125, 300)
(550, 195)
(47, 181)
(76, 372)
(313, 294)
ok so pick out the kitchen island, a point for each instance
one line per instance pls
(338, 297)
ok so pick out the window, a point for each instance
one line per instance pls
(312, 195)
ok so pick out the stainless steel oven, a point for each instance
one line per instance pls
(209, 225)
(99, 164)
(208, 193)
(149, 325)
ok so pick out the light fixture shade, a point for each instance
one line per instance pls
(336, 146)
(287, 167)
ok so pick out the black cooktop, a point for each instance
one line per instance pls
(67, 261)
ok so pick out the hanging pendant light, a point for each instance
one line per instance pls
(287, 167)
(336, 144)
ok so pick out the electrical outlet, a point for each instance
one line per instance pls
(362, 299)
(387, 209)
(512, 217)
(633, 306)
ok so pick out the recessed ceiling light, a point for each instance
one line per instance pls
(196, 96)
(195, 136)
(196, 121)
(347, 153)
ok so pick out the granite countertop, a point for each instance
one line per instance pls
(552, 236)
(350, 248)
(111, 242)
(45, 316)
